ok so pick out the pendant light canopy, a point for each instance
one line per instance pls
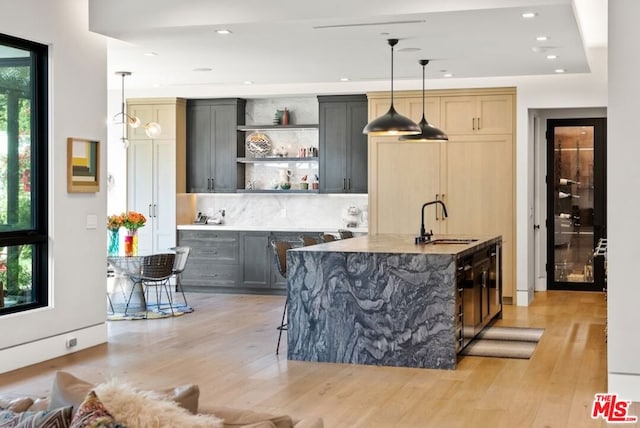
(152, 129)
(428, 132)
(392, 122)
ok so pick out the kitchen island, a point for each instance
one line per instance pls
(384, 300)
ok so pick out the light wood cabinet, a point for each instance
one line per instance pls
(473, 173)
(156, 171)
(477, 114)
(405, 175)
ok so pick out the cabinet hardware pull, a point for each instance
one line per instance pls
(213, 184)
(478, 124)
(150, 210)
(349, 184)
(208, 184)
(155, 210)
(473, 123)
(344, 184)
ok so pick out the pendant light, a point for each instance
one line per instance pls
(152, 129)
(428, 132)
(392, 122)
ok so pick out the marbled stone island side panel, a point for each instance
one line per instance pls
(372, 308)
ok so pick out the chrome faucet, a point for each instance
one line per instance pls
(424, 236)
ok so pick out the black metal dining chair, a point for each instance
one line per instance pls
(156, 271)
(280, 249)
(180, 263)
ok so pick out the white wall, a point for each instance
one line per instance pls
(77, 108)
(623, 179)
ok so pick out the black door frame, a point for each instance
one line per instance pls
(600, 198)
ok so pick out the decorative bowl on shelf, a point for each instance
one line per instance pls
(258, 144)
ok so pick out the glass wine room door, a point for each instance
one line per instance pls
(576, 203)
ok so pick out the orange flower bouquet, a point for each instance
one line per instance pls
(133, 220)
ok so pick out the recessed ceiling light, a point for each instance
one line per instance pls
(560, 70)
(344, 79)
(447, 75)
(150, 54)
(542, 38)
(529, 15)
(248, 82)
(202, 69)
(552, 56)
(223, 31)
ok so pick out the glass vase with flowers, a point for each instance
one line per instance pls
(132, 221)
(114, 223)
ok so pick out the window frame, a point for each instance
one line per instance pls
(38, 234)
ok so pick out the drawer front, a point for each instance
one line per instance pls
(208, 274)
(208, 247)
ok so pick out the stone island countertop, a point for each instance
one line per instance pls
(383, 300)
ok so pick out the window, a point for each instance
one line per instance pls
(23, 175)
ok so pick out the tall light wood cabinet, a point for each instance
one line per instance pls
(473, 173)
(156, 170)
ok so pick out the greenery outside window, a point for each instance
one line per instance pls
(23, 175)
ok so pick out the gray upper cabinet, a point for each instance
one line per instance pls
(213, 143)
(342, 145)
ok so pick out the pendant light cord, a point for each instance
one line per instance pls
(423, 67)
(392, 43)
(124, 122)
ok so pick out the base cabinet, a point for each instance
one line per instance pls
(479, 285)
(233, 262)
(214, 259)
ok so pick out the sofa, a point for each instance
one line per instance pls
(75, 403)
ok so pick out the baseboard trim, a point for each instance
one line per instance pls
(47, 348)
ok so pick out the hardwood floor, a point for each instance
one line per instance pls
(227, 346)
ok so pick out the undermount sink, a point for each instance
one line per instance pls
(460, 241)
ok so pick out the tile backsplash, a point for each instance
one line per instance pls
(275, 210)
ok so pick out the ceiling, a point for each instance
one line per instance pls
(305, 42)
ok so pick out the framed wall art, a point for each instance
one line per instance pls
(83, 165)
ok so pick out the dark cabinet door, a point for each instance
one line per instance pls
(199, 150)
(223, 156)
(213, 143)
(357, 178)
(342, 145)
(255, 259)
(333, 147)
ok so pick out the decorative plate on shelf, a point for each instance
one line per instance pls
(258, 144)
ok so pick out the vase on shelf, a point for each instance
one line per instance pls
(114, 243)
(131, 243)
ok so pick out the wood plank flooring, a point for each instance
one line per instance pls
(227, 346)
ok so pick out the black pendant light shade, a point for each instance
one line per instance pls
(392, 122)
(428, 132)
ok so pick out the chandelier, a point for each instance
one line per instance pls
(152, 129)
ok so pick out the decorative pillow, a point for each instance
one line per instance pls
(93, 414)
(57, 418)
(68, 390)
(148, 409)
